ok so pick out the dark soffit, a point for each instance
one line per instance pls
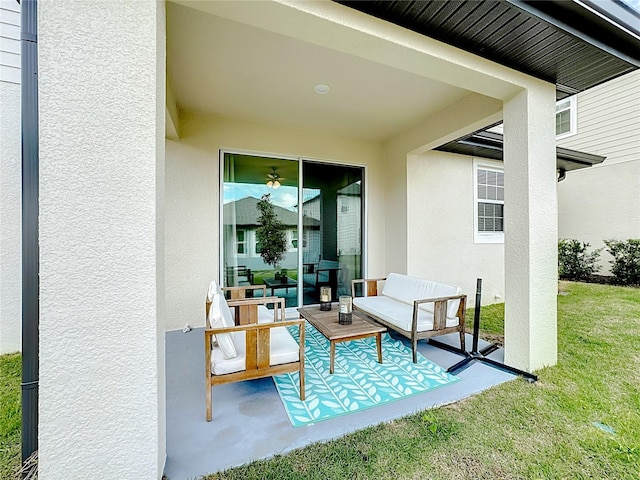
(566, 43)
(490, 145)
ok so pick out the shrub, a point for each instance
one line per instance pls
(574, 263)
(626, 260)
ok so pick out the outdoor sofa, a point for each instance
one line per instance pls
(255, 344)
(411, 306)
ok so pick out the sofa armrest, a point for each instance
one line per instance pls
(371, 285)
(440, 310)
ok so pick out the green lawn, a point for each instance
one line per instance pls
(516, 430)
(10, 372)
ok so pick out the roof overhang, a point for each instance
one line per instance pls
(490, 145)
(574, 44)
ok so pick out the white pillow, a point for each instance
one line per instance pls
(219, 317)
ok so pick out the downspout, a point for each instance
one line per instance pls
(562, 174)
(30, 211)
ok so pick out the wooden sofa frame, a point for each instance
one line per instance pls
(257, 345)
(439, 315)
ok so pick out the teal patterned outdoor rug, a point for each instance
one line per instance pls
(359, 381)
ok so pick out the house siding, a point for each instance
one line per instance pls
(609, 120)
(603, 202)
(9, 41)
(10, 179)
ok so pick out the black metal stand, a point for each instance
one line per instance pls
(476, 355)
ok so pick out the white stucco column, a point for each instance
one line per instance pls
(531, 225)
(10, 218)
(101, 93)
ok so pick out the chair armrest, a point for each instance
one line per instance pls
(254, 326)
(257, 343)
(245, 304)
(241, 291)
(371, 285)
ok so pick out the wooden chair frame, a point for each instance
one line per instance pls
(439, 315)
(257, 346)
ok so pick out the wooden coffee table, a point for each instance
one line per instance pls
(327, 324)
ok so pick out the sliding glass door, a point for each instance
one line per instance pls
(332, 228)
(292, 240)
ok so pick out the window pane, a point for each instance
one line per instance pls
(482, 176)
(482, 192)
(563, 122)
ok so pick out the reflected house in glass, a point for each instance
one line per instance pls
(240, 224)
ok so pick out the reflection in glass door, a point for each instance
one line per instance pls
(332, 228)
(260, 224)
(262, 243)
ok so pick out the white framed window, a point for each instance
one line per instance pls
(488, 203)
(566, 117)
(242, 245)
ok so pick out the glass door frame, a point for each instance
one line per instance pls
(300, 235)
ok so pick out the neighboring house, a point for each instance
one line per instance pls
(10, 175)
(348, 220)
(603, 202)
(243, 239)
(138, 99)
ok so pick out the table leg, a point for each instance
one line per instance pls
(333, 356)
(379, 345)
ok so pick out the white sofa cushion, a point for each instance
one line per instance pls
(220, 316)
(407, 289)
(284, 349)
(398, 313)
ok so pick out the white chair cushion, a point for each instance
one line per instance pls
(284, 349)
(219, 317)
(398, 313)
(407, 289)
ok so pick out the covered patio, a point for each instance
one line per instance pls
(133, 121)
(250, 423)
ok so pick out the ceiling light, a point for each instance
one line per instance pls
(322, 89)
(273, 179)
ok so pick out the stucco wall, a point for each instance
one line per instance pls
(10, 219)
(101, 91)
(440, 226)
(192, 194)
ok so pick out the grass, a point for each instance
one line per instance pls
(516, 430)
(10, 372)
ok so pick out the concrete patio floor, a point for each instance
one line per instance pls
(250, 422)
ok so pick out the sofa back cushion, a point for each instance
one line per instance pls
(219, 317)
(407, 289)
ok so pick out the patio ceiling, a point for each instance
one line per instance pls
(223, 67)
